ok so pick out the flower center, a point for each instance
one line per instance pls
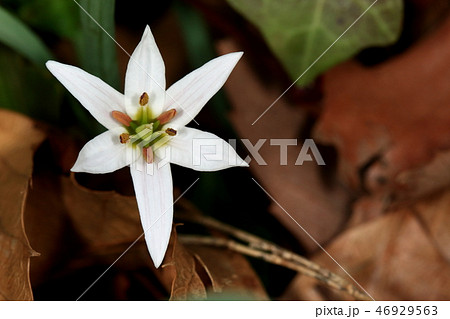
(146, 131)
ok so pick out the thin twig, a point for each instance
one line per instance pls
(263, 249)
(328, 278)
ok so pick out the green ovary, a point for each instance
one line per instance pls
(145, 130)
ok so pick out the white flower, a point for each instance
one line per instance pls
(149, 121)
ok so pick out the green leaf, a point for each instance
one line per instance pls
(53, 16)
(28, 89)
(300, 31)
(16, 35)
(97, 48)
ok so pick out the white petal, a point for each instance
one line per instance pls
(103, 154)
(202, 151)
(95, 95)
(155, 202)
(145, 73)
(190, 94)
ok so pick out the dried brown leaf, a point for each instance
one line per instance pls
(101, 218)
(179, 270)
(230, 273)
(46, 223)
(19, 138)
(392, 119)
(400, 256)
(64, 216)
(434, 215)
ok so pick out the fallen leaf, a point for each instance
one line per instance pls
(180, 266)
(19, 138)
(298, 32)
(101, 218)
(434, 214)
(402, 255)
(391, 119)
(230, 273)
(47, 224)
(317, 205)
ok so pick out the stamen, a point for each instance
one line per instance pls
(121, 118)
(171, 132)
(166, 116)
(143, 100)
(147, 152)
(124, 137)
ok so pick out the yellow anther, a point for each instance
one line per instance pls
(171, 132)
(124, 137)
(143, 100)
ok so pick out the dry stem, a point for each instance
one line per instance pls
(263, 249)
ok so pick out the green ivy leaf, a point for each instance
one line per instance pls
(299, 31)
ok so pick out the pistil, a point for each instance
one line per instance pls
(145, 131)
